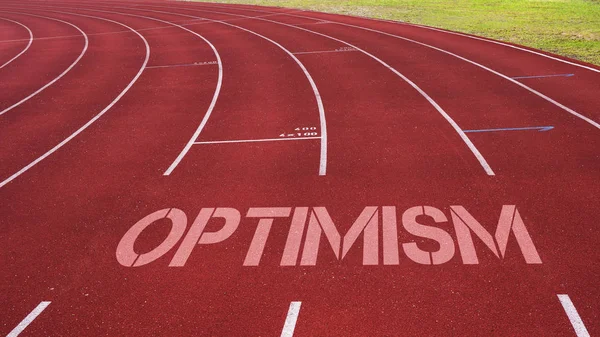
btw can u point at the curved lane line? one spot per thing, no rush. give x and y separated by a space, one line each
422 27
85 47
211 107
323 123
539 94
26 47
449 119
95 118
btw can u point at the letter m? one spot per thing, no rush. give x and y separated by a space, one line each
510 221
320 222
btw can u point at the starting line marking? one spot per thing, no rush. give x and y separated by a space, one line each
574 317
27 320
539 128
185 65
254 140
543 76
290 321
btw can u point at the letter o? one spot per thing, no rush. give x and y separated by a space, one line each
129 258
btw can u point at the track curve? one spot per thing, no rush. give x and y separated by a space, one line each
404 235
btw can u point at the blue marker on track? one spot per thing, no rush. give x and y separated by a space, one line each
539 128
543 76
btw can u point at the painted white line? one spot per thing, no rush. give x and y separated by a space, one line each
185 65
573 315
24 49
254 140
290 320
323 123
85 47
488 170
539 94
323 51
27 320
424 27
95 118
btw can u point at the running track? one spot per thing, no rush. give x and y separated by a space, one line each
112 111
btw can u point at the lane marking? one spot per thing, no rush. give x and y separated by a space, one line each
539 94
573 315
254 140
26 47
422 27
569 110
184 65
341 50
543 76
290 320
454 125
322 121
539 128
95 118
83 51
27 320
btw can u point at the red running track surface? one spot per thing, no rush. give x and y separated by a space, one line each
179 169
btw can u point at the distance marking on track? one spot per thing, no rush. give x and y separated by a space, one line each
305 131
184 65
28 319
338 50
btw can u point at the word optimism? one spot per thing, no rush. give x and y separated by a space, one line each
316 221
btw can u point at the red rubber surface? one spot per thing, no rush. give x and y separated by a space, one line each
387 145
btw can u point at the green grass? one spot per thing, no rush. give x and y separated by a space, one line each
565 27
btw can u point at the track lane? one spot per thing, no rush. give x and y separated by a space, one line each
8 49
482 112
147 144
18 75
432 102
337 297
504 59
26 149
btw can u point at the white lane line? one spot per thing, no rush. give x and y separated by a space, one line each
324 51
85 47
24 49
499 43
426 27
95 118
184 65
488 170
573 315
290 320
322 121
539 94
254 140
27 320
211 107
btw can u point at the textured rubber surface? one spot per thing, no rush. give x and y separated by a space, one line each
403 108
